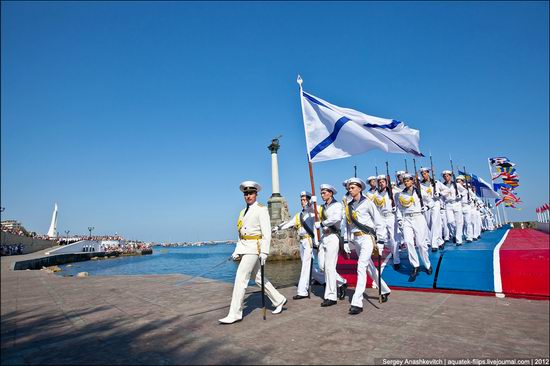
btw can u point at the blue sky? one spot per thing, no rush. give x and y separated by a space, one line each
142 118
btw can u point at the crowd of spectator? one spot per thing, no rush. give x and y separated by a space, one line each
23 232
11 249
126 248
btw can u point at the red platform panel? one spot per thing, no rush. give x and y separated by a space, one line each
524 263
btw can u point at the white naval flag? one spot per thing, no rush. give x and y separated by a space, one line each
334 132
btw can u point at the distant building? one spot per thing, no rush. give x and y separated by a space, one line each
13 225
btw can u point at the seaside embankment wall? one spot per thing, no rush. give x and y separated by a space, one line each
29 245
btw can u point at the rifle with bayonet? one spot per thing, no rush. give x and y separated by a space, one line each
417 181
388 186
466 183
453 176
433 173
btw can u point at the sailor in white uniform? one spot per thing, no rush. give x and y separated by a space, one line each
455 217
399 181
330 218
466 203
383 203
304 223
372 189
411 219
433 215
252 248
364 229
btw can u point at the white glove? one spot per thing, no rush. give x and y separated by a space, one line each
317 225
459 196
346 248
313 199
400 223
424 209
235 256
436 195
263 258
275 229
380 247
393 209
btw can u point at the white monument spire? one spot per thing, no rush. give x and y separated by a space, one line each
52 233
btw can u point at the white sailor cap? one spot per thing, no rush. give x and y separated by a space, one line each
371 178
461 177
446 172
250 186
400 172
406 176
381 176
345 183
358 181
424 169
329 187
305 193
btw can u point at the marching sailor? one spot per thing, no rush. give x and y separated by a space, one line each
455 218
399 181
364 225
303 222
466 204
413 224
433 215
254 229
371 192
330 218
383 203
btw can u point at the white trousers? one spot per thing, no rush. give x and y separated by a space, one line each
250 265
391 232
414 227
455 219
363 246
433 218
328 257
319 275
305 255
444 226
468 224
476 216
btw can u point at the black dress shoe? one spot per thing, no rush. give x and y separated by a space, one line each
414 271
384 297
342 291
299 297
354 310
454 240
458 244
442 247
429 271
434 250
396 266
468 241
327 302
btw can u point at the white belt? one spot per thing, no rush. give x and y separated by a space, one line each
412 214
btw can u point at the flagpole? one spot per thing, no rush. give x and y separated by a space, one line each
493 187
317 232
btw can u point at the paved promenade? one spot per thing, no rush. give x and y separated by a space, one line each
48 319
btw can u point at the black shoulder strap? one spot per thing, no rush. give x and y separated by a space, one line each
363 228
307 228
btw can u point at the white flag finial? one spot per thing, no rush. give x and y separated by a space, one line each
299 80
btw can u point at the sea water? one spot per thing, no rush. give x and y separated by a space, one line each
191 261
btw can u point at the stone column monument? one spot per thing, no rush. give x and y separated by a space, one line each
284 245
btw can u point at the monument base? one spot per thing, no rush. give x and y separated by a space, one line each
284 244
